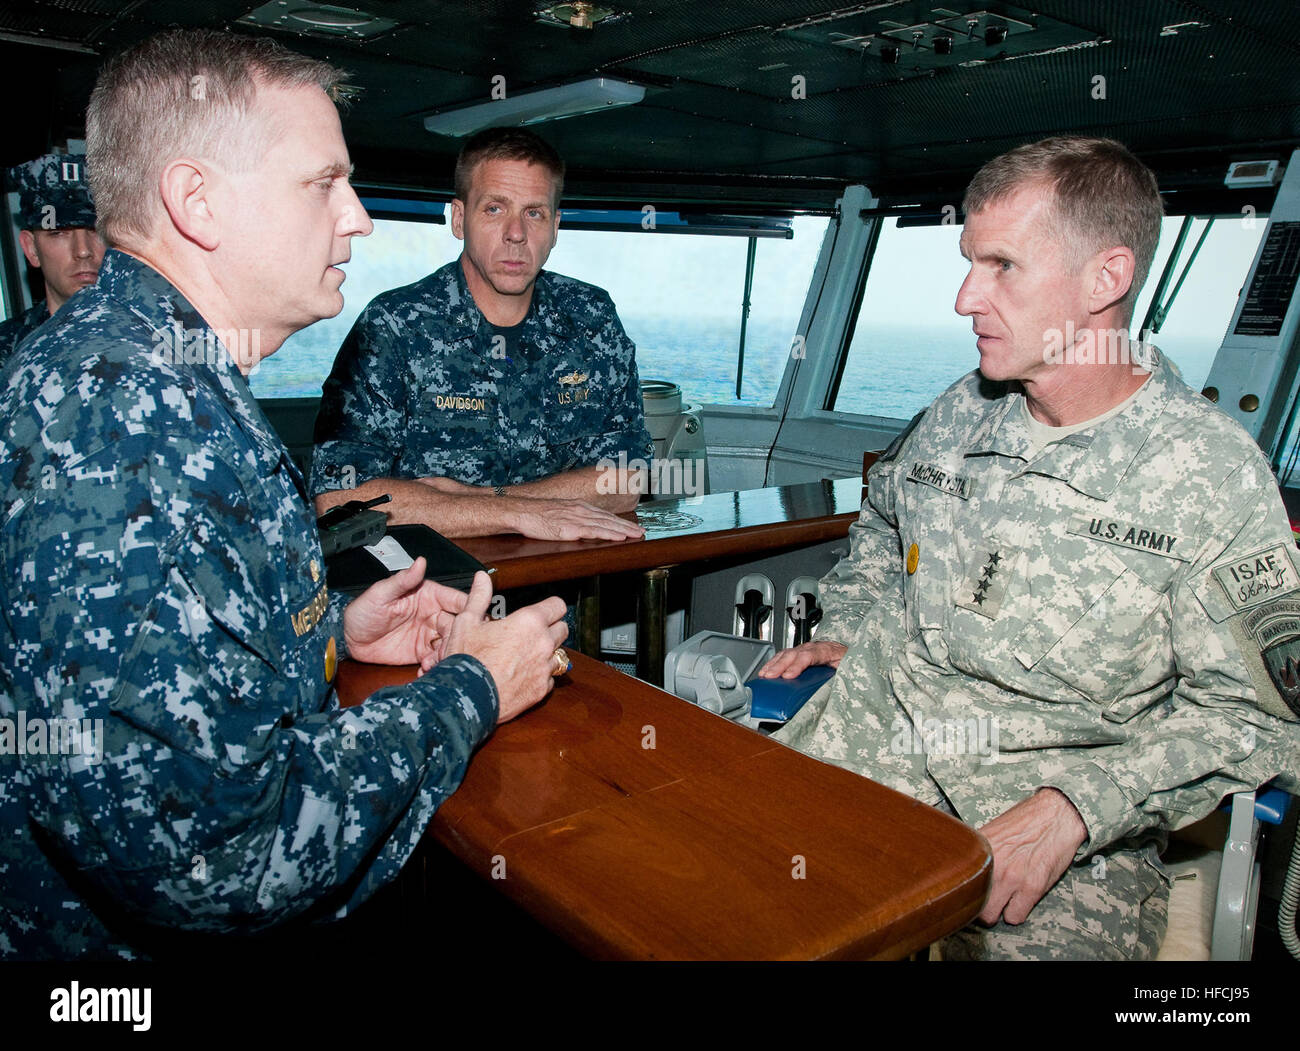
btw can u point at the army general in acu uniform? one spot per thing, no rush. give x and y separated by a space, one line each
162 575
485 396
57 235
1070 614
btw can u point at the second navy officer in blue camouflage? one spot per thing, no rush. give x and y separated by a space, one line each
490 396
162 575
57 235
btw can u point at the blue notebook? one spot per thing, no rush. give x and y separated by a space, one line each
777 700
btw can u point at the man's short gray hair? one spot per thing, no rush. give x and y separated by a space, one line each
182 93
1103 197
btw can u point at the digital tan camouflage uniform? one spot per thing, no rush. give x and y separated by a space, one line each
1117 616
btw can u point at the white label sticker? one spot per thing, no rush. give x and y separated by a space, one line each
391 554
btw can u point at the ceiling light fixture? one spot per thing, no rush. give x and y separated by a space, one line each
533 107
324 20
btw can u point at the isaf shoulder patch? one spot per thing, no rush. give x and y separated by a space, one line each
1257 578
1263 590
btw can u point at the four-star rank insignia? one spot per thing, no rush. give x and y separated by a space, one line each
981 590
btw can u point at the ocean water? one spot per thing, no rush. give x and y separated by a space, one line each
680 303
893 371
697 353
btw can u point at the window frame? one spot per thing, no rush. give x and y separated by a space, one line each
1196 204
400 205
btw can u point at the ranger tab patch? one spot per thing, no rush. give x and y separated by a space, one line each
1269 637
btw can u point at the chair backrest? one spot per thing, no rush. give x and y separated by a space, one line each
868 458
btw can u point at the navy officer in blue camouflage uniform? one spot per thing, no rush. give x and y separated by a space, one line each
57 237
491 396
162 577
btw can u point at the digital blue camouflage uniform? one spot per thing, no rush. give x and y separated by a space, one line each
16 329
1089 618
162 573
52 195
420 388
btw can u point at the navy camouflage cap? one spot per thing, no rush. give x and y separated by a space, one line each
53 193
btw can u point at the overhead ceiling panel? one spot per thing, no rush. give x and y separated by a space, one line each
1183 82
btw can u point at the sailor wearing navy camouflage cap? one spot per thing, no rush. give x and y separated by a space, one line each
58 236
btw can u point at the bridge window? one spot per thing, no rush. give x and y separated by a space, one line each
397 253
679 295
1198 316
680 298
908 344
